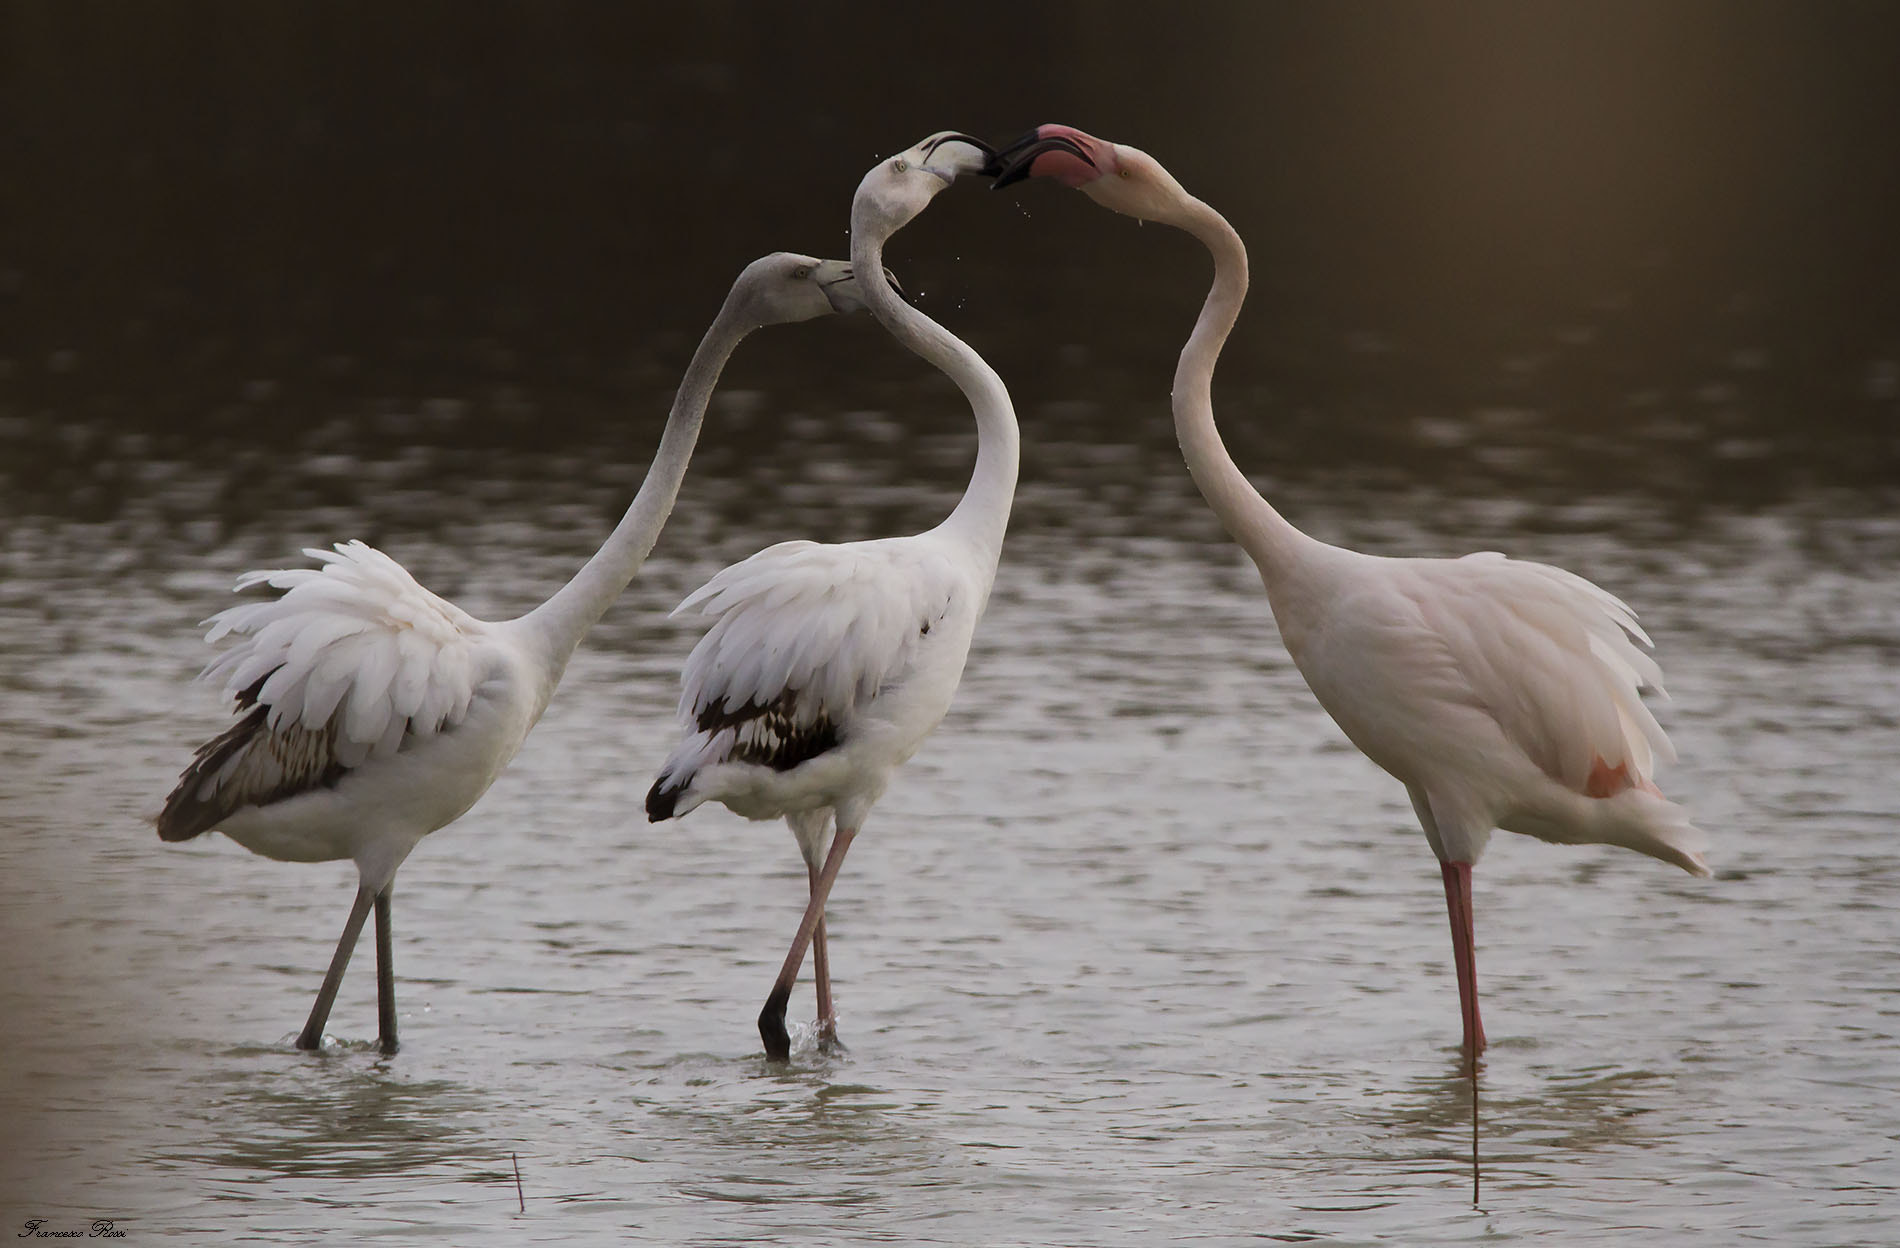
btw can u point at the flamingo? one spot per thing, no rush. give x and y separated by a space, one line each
373 712
827 666
1501 693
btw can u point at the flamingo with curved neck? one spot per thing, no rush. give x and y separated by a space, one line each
1502 693
374 712
827 666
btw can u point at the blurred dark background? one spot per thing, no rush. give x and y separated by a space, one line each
225 223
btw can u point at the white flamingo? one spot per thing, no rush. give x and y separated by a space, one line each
374 712
1501 693
827 665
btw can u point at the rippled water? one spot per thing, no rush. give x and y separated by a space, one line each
1137 948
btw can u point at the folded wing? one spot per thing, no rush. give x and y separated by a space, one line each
1559 663
350 661
805 636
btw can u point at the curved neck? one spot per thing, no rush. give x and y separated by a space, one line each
983 513
561 621
1252 522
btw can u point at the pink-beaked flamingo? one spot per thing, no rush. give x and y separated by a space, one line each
1501 693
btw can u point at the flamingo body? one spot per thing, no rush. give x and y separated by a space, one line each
827 666
373 712
1502 693
825 669
378 712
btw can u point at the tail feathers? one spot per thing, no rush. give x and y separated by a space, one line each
671 797
1639 819
1652 824
193 806
662 798
672 793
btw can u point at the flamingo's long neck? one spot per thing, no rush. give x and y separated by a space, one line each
983 513
1269 540
559 623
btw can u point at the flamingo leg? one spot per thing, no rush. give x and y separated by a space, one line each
1458 903
312 1035
778 1042
385 976
821 969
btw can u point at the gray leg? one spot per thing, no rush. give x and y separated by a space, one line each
312 1035
385 976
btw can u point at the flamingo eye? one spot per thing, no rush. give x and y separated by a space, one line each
800 273
900 164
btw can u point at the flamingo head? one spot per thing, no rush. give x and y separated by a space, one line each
899 187
1114 175
785 287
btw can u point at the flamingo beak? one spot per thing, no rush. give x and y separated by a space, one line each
843 294
990 167
1017 161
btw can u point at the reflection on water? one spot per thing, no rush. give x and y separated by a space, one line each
1136 944
1138 949
1525 1125
356 1118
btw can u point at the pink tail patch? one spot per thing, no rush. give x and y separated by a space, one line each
1608 781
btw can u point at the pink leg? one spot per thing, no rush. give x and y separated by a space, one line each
1458 903
821 969
778 1042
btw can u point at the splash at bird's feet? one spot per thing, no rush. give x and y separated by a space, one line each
826 1035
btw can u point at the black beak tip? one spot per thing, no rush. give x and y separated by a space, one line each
1021 141
1009 175
994 161
1019 158
1006 158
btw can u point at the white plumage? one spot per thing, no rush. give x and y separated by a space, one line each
856 647
357 638
1508 692
834 622
1502 693
827 666
377 713
374 712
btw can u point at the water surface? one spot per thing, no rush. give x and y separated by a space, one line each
1138 946
1138 949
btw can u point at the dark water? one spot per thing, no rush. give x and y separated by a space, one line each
1137 949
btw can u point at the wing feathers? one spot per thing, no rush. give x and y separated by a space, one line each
248 764
1555 659
348 659
804 636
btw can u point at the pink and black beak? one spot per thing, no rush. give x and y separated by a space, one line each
1056 151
